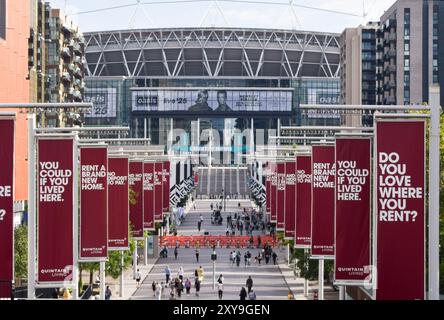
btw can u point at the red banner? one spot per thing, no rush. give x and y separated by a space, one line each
400 221
55 210
280 196
290 199
118 203
158 192
273 187
352 217
166 186
6 206
148 196
267 187
323 202
303 202
135 180
93 203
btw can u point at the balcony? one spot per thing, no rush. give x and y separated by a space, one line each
66 53
66 77
77 48
78 73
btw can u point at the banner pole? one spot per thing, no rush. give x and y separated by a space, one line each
321 279
102 280
31 208
145 252
75 277
288 254
305 279
121 275
341 292
135 260
434 179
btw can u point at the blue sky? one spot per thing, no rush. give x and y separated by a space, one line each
234 14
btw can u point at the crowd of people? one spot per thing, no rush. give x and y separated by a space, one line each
266 253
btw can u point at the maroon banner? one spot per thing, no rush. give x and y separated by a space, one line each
280 196
323 202
290 199
166 186
273 187
93 203
7 127
118 203
267 187
135 181
303 202
148 196
352 216
400 220
55 210
158 192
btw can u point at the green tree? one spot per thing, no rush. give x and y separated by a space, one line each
21 251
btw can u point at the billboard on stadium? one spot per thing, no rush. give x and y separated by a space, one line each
207 100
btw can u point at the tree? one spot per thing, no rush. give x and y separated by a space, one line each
21 251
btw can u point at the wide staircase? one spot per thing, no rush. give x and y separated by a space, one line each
215 181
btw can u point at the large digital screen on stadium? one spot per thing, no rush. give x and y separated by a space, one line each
211 100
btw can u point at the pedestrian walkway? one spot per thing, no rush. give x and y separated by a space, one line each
130 284
268 281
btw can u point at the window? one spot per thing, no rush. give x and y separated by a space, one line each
407 47
3 19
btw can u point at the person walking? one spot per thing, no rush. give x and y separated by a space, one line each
180 273
220 290
252 295
238 258
167 274
138 277
201 274
274 255
108 293
246 258
220 279
197 286
188 286
243 294
249 284
158 292
197 254
176 252
153 287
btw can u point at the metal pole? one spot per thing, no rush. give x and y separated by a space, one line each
102 280
75 276
214 275
341 292
135 260
31 207
145 252
121 275
321 280
434 177
306 280
288 253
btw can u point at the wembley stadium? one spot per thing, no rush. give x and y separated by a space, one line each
223 79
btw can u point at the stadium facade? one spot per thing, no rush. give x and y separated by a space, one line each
195 79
